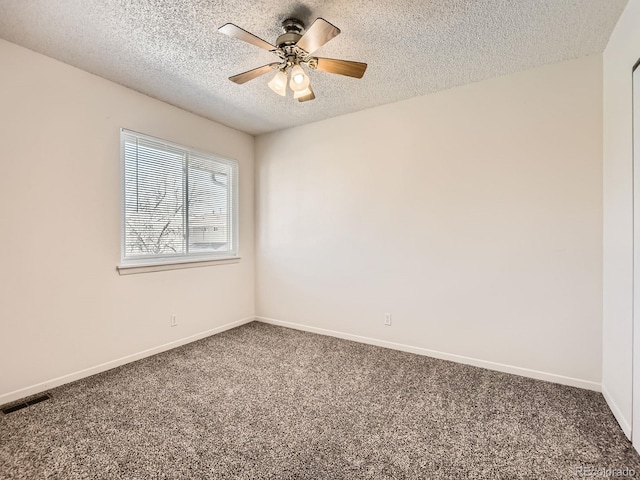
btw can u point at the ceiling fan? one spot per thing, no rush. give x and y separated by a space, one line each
294 47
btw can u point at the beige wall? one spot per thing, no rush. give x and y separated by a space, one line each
473 215
64 306
622 52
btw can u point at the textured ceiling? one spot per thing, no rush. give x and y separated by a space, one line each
171 50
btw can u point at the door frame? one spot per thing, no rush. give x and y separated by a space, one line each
635 166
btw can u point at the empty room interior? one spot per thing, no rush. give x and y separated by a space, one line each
319 239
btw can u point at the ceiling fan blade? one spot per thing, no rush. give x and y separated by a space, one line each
319 33
306 98
342 67
235 31
251 74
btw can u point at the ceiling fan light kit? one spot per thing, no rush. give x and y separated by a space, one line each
294 47
302 93
299 80
279 83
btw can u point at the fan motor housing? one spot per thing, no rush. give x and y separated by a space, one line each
292 32
288 39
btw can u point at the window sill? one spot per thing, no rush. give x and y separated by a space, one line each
159 267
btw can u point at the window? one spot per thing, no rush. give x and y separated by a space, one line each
178 204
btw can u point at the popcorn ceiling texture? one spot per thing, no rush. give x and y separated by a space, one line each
171 50
262 402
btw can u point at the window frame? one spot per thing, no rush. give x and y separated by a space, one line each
145 263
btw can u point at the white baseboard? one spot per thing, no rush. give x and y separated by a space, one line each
617 413
524 372
56 382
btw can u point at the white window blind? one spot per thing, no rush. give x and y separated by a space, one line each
177 203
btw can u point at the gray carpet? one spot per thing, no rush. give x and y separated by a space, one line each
267 402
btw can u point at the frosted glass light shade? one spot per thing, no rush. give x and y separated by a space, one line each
299 79
279 83
302 93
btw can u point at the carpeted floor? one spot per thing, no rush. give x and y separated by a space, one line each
268 402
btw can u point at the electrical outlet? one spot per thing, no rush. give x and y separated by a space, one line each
174 320
387 319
